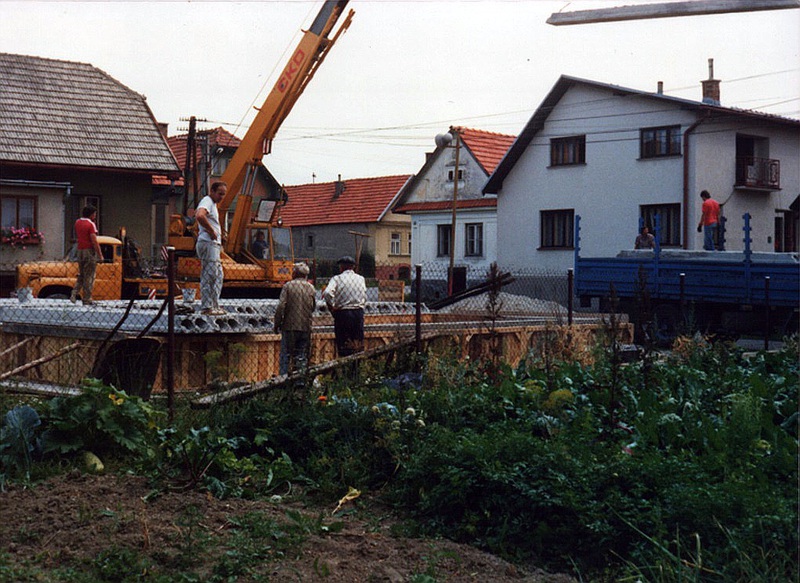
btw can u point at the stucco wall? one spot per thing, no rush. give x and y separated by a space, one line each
50 222
715 159
424 237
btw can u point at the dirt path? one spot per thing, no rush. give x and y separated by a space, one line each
72 519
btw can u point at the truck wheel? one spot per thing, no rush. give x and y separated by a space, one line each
54 295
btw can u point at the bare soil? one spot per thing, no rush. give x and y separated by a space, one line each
71 519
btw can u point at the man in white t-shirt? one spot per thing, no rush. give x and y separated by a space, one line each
209 248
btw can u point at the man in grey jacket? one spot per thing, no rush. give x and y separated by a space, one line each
293 320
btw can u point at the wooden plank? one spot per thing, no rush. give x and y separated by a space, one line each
667 10
14 347
41 389
39 361
248 391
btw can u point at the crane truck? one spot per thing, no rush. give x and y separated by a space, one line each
244 274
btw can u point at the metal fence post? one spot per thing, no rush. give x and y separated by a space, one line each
767 323
171 332
418 315
570 294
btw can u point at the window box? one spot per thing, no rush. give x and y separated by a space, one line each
21 238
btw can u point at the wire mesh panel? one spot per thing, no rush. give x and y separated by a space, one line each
133 332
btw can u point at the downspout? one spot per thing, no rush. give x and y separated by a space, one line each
65 198
688 131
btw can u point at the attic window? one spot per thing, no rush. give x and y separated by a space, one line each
568 151
451 173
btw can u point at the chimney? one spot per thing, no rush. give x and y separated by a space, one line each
660 90
163 127
711 86
339 188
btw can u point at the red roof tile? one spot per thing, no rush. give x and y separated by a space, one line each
487 147
441 205
364 200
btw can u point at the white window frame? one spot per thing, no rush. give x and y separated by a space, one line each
473 240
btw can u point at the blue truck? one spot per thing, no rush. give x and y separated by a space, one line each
737 292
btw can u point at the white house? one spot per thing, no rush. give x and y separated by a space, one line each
616 156
429 198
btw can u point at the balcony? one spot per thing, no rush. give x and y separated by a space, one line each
758 173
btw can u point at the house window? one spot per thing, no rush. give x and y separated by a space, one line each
442 240
568 151
557 229
452 172
409 242
394 244
220 165
310 241
657 142
18 212
474 240
669 218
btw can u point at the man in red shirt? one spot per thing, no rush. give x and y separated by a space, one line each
88 255
709 221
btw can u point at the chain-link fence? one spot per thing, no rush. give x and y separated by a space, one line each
139 334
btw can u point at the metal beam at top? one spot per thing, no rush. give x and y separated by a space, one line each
667 10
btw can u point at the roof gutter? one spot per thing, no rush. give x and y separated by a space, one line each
688 131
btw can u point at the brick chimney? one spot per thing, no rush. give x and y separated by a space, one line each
711 86
340 187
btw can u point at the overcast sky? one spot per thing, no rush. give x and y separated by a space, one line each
404 71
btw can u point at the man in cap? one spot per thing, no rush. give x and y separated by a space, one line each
293 319
346 296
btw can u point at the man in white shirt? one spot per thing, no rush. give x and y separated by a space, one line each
346 296
209 248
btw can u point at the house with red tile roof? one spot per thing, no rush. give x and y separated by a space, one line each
73 135
212 152
457 169
351 217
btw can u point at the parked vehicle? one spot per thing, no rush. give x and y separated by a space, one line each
120 275
732 291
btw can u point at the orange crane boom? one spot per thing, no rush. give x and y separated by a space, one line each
257 142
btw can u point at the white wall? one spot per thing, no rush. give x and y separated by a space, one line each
608 190
424 234
715 160
433 186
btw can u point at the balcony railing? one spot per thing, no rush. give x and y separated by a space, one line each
762 173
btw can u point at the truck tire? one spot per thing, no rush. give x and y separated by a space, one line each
55 293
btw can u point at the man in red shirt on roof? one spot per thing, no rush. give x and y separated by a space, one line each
709 221
88 255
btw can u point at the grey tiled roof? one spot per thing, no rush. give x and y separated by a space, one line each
66 113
